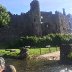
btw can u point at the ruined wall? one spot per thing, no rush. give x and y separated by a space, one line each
54 23
63 23
48 25
69 16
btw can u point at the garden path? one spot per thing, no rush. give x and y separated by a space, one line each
50 56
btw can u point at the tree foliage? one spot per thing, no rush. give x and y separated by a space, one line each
4 16
50 39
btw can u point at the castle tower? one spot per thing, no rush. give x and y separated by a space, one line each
36 17
64 12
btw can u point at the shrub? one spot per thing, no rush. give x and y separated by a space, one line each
50 39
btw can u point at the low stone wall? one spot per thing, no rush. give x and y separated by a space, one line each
64 51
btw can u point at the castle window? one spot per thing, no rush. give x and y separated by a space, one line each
47 26
63 28
34 20
41 17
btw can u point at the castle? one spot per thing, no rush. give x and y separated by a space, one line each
36 23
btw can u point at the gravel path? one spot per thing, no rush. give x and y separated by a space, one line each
50 56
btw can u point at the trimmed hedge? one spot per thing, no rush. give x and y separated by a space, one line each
50 39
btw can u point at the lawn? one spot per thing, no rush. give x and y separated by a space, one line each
31 51
4 52
39 51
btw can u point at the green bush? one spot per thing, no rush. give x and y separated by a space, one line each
50 39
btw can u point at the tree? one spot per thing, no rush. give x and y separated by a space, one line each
4 16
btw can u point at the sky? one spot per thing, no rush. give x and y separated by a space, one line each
23 6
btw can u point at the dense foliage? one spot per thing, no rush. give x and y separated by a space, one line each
50 39
4 16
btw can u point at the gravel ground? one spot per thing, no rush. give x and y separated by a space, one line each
50 56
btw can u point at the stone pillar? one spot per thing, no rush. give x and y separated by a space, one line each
64 51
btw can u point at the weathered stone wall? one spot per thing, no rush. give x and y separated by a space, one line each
64 51
63 23
54 23
49 24
69 16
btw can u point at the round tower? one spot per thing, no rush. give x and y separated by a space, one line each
35 17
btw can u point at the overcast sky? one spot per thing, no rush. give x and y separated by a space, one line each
18 6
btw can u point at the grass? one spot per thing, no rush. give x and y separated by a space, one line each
39 51
31 51
3 52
